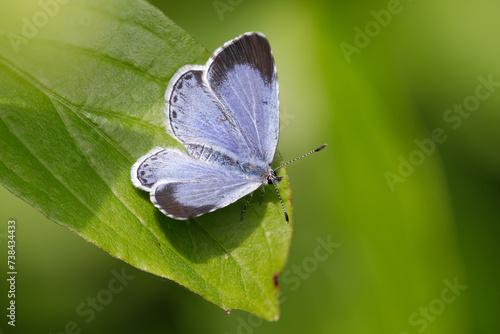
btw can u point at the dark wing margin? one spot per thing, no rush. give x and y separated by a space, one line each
249 48
186 199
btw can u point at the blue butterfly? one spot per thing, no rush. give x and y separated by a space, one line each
226 115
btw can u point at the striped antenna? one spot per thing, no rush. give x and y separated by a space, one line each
303 156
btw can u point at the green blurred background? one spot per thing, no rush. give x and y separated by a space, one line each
400 247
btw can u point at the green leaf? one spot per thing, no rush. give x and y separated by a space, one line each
81 98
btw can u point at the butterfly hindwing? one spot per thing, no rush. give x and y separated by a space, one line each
185 199
182 186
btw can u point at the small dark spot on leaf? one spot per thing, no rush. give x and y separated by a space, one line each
276 280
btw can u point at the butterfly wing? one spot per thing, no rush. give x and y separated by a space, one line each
229 105
183 187
242 76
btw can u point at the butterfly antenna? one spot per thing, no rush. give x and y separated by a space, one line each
289 162
303 156
281 201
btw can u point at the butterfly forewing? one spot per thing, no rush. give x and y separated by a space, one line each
242 76
197 120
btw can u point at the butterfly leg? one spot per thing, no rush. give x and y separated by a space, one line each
244 208
263 193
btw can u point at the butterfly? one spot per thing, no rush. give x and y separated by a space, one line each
226 115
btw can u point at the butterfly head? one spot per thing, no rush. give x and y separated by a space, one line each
272 178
